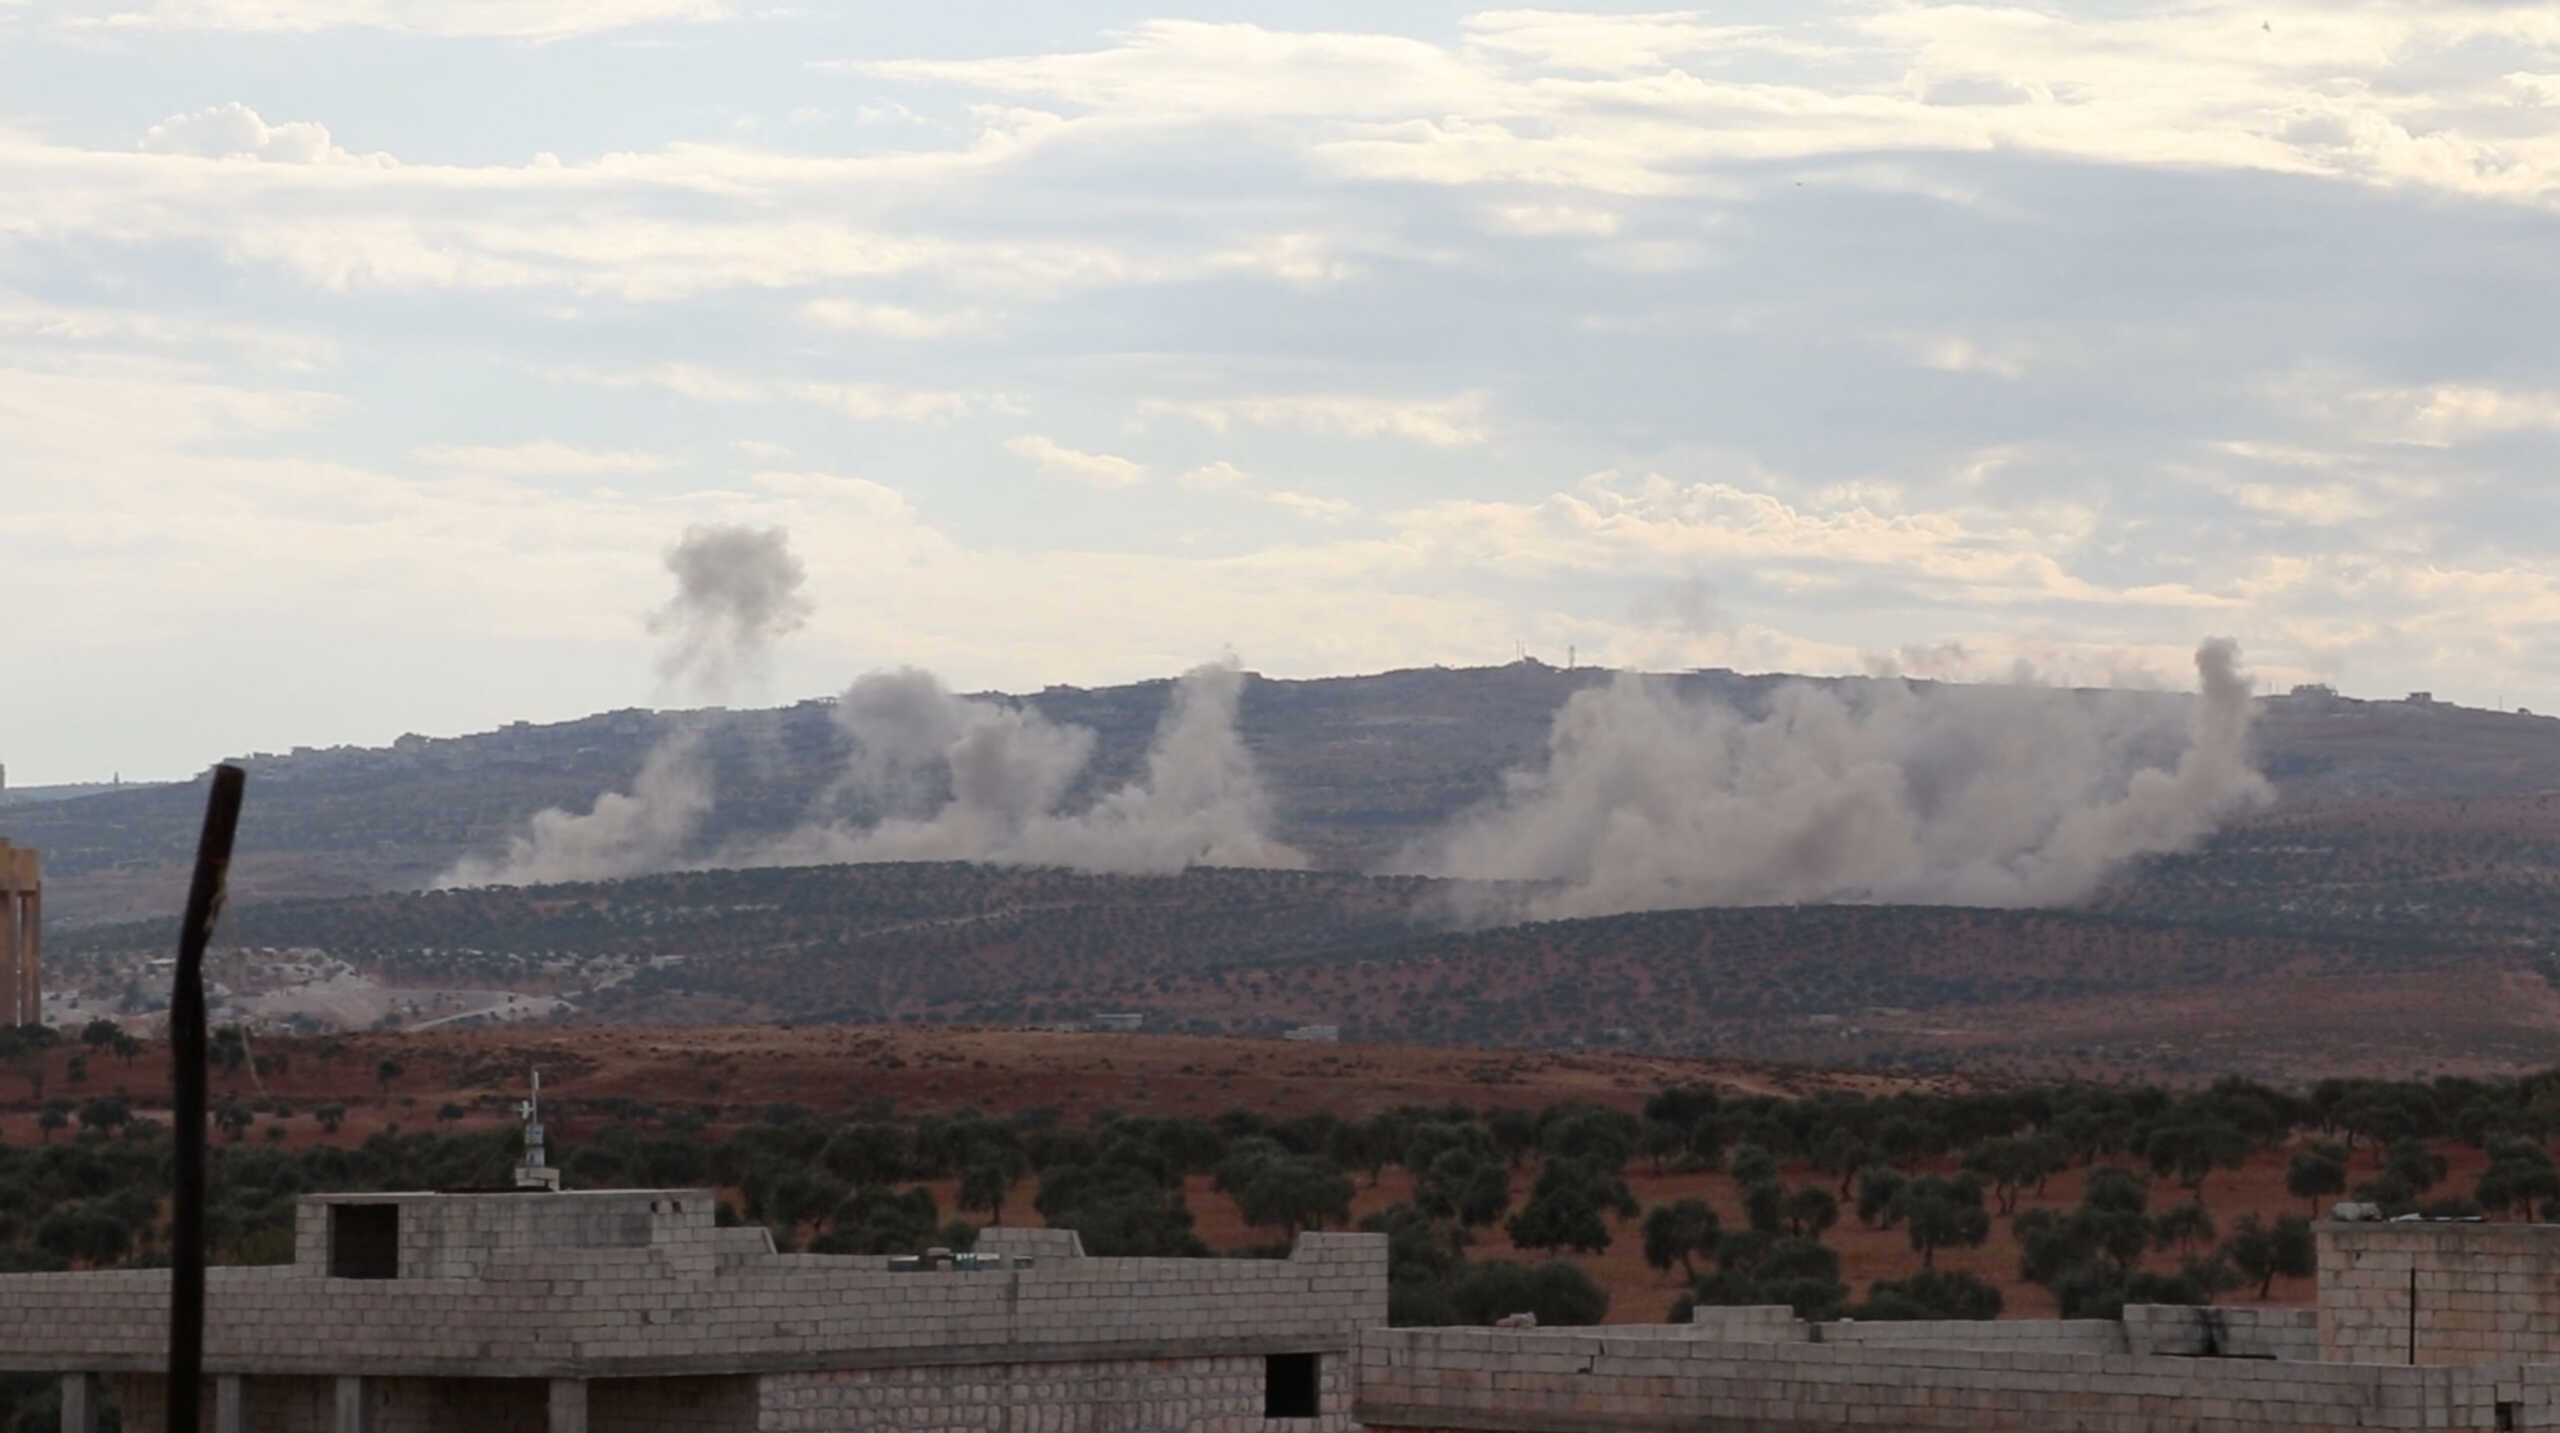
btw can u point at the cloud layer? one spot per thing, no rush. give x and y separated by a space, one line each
1084 342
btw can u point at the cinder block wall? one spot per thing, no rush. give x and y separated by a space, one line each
2439 1293
1197 1395
1583 1382
627 1311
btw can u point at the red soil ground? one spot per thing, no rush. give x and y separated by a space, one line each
733 1074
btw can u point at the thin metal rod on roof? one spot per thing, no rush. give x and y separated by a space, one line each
187 1054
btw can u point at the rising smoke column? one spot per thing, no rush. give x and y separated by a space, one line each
737 589
1972 796
961 779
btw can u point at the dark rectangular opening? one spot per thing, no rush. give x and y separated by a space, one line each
364 1241
1289 1385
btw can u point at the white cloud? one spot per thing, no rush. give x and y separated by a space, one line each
888 320
499 19
545 459
1220 476
1439 422
1308 506
1096 470
235 131
2440 415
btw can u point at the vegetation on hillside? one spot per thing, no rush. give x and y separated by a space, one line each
1943 1169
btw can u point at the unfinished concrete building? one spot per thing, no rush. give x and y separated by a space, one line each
630 1310
21 935
2418 1326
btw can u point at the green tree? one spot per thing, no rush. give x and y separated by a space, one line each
2012 1163
1929 1294
1840 1152
386 1070
2261 1251
1939 1213
2192 1149
1878 1185
1680 1233
1567 1208
2182 1226
2414 1163
1811 1211
2314 1174
1463 1185
1557 1293
106 1114
1295 1192
2520 1176
1764 1206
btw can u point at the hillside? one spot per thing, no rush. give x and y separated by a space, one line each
1359 768
2161 985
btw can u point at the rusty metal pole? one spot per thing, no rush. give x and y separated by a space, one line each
187 1098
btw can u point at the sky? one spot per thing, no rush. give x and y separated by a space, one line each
362 360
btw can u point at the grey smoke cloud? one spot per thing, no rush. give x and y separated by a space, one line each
1993 796
938 776
737 589
622 834
1004 772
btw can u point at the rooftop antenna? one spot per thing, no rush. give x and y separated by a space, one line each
536 1171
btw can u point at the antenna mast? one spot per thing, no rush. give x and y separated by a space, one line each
536 1171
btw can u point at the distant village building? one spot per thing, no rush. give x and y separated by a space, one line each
1317 1034
21 935
1123 1021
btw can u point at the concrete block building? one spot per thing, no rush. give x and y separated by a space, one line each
559 1313
630 1312
2419 1326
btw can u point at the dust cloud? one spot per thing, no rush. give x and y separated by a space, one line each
737 590
964 779
938 777
1988 796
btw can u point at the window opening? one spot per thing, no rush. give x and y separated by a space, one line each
1289 1385
364 1241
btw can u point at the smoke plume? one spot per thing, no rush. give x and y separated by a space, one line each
646 830
1971 796
933 776
960 779
737 589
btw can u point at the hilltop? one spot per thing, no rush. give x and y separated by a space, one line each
1359 769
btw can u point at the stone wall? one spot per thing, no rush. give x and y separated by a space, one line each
1551 1381
626 1312
2158 1329
672 1405
2439 1293
1204 1395
2222 1331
